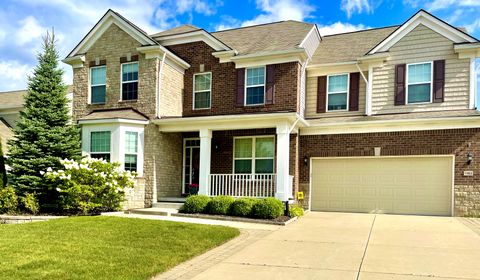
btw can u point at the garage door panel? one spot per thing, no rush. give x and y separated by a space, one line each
403 185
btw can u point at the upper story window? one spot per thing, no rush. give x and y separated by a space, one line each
419 82
131 150
337 92
100 144
253 155
255 86
202 88
130 81
98 84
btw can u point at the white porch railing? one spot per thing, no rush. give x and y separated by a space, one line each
252 185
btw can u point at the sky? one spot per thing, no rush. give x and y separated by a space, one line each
24 22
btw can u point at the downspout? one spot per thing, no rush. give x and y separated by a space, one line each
159 84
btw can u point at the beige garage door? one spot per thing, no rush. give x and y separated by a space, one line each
400 185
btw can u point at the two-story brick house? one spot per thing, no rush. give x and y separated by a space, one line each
380 120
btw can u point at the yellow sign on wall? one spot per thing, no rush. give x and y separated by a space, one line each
300 196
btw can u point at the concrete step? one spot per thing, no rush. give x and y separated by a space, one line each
172 199
168 205
153 211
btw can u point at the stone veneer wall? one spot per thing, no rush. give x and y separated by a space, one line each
458 142
136 197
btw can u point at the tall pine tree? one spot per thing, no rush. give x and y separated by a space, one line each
3 172
44 132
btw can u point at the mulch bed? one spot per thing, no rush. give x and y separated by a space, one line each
281 221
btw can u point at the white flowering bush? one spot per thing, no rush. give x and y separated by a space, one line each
90 186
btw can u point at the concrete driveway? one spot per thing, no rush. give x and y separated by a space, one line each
358 246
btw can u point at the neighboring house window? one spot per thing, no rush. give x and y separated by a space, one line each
255 86
337 92
131 149
100 144
254 155
98 82
419 82
130 81
202 89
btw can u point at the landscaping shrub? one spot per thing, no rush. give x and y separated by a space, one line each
296 211
91 186
30 203
268 208
8 201
195 204
242 207
220 205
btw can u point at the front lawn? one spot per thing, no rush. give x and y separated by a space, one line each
102 247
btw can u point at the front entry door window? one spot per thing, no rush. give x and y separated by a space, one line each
191 163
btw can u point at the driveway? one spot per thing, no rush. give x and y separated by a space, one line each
335 246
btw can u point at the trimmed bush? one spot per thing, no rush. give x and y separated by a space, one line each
30 203
220 205
8 201
242 207
195 204
296 211
268 208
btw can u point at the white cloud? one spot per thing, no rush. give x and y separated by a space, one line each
356 6
14 74
280 10
339 27
201 7
30 30
447 4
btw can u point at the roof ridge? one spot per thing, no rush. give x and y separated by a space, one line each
261 24
363 30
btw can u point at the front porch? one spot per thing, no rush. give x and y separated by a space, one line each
243 161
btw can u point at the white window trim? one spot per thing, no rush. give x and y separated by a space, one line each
138 143
122 82
90 84
253 158
90 144
195 91
348 92
407 83
259 85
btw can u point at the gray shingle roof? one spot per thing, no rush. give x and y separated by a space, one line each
129 114
177 30
12 99
349 46
277 36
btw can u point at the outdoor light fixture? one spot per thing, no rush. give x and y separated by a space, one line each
305 160
469 158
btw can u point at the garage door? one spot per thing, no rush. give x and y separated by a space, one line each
400 185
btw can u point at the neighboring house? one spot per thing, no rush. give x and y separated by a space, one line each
11 103
380 120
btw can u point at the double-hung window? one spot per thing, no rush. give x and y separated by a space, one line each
202 89
98 82
130 81
419 82
255 86
254 155
131 150
337 92
100 144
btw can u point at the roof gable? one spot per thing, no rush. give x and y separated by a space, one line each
177 30
109 18
194 35
422 17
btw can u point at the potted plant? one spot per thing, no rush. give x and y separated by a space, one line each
193 189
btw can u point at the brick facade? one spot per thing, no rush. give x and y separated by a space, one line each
223 93
458 142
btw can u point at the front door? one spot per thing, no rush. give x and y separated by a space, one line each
191 163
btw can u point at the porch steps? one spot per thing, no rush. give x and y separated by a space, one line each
168 205
153 211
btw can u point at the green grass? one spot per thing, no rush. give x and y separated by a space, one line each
102 247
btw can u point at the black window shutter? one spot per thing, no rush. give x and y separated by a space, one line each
240 95
438 80
400 72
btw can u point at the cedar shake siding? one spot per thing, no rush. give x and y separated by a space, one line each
458 142
224 84
422 45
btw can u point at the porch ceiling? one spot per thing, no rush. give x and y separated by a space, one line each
230 122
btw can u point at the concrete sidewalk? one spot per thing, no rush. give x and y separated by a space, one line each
349 246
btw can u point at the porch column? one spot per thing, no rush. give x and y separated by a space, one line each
205 155
283 162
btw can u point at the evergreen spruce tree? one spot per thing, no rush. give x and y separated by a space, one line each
44 133
3 172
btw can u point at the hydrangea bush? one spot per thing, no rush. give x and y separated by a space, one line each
91 186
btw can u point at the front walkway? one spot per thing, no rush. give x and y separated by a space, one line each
336 246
